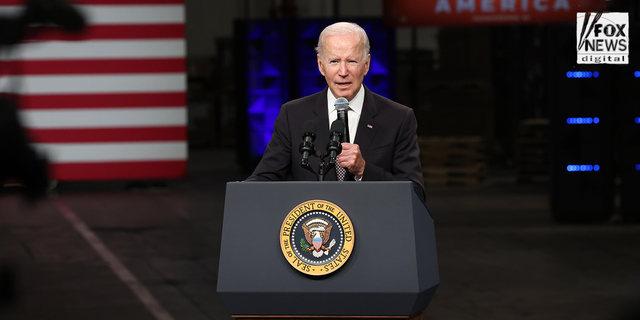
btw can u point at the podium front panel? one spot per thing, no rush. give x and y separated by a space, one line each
388 273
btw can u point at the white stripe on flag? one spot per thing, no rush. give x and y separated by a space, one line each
118 14
97 83
100 49
10 11
104 118
110 152
133 14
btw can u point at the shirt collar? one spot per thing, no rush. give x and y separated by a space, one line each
355 104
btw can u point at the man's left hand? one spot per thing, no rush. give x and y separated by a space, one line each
351 159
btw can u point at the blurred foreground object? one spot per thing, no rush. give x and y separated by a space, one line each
54 11
7 285
18 160
62 14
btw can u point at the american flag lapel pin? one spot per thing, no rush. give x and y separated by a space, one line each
369 126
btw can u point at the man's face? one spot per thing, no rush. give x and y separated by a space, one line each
342 65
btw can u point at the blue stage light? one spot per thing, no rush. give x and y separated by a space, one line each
585 167
583 120
637 120
582 74
638 167
637 74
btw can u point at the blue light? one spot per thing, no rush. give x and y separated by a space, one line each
637 74
582 74
638 167
570 74
585 167
584 120
637 120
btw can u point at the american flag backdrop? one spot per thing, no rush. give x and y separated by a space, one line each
108 103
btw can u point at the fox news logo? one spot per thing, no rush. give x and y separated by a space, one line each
602 38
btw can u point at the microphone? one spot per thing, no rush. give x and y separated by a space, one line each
342 106
334 147
307 147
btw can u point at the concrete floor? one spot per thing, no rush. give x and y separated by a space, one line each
500 254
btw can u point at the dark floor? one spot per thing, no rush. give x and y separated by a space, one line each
500 254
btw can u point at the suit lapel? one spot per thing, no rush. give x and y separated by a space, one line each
321 117
368 126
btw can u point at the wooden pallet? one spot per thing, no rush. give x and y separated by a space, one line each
531 150
455 175
453 160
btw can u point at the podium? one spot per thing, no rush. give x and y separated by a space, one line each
392 271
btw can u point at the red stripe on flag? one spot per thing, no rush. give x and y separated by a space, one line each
108 66
99 2
108 134
89 101
102 32
118 170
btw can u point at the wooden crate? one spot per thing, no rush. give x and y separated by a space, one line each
453 160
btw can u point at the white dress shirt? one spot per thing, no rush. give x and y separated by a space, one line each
353 115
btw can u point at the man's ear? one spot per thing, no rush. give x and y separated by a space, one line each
368 64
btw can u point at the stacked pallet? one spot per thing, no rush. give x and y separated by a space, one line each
531 150
453 160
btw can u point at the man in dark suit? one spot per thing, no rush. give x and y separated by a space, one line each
383 139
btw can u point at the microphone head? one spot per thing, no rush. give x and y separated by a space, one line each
309 128
341 104
337 127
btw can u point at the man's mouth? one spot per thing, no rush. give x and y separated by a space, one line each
343 84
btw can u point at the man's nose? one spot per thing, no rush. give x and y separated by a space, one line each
343 70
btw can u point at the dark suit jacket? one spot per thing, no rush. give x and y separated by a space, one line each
386 134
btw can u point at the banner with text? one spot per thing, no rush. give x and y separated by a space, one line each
414 13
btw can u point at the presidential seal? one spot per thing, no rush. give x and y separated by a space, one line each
317 237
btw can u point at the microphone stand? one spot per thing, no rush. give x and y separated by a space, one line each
323 167
333 147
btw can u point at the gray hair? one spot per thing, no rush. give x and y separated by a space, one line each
341 28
